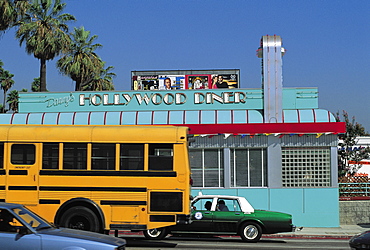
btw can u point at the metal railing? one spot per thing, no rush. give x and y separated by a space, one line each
354 189
356 186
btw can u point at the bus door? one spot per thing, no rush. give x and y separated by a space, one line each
2 173
22 173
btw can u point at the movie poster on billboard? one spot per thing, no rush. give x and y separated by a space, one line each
171 82
185 79
198 81
145 82
221 81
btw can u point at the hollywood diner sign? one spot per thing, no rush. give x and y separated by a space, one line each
158 98
140 100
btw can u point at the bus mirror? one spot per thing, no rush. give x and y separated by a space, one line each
191 139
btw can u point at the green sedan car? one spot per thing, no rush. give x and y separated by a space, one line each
223 214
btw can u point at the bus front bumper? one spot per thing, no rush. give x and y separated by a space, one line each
183 219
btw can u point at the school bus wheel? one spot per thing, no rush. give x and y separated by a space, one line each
81 218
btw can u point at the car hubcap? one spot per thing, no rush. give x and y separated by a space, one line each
250 232
154 232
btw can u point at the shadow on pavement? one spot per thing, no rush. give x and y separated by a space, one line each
140 242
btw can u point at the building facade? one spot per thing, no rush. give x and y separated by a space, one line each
272 145
289 166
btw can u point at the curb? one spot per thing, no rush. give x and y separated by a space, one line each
270 236
307 236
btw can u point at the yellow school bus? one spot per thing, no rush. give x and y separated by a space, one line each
98 178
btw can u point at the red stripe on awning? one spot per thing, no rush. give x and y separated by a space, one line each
270 128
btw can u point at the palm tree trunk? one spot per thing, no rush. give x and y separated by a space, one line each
3 111
78 84
43 75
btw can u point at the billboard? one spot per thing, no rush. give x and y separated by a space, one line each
184 79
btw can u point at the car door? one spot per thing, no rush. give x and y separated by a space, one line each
16 241
227 219
201 217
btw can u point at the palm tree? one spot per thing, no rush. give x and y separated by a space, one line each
81 63
45 32
7 14
7 82
35 85
11 11
104 81
13 100
2 108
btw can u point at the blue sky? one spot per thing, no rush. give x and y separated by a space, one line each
327 43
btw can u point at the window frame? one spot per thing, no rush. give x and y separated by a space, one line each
81 159
109 159
300 171
220 167
250 175
25 153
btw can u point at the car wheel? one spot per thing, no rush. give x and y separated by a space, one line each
81 218
156 233
250 232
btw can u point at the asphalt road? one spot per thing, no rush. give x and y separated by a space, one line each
235 243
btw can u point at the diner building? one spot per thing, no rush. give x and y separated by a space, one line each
272 145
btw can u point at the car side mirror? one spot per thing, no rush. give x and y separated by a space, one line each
23 230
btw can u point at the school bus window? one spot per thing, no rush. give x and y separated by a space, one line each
1 155
50 155
23 154
75 156
160 156
103 156
132 156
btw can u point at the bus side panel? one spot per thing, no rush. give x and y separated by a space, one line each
47 211
2 184
183 173
125 215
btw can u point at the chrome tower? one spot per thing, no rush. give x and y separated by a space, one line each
271 52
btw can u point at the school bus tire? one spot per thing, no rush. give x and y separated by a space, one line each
81 218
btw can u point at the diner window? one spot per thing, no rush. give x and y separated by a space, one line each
75 156
160 156
306 167
50 156
248 167
103 156
132 156
23 154
207 167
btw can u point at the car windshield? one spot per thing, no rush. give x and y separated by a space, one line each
31 219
